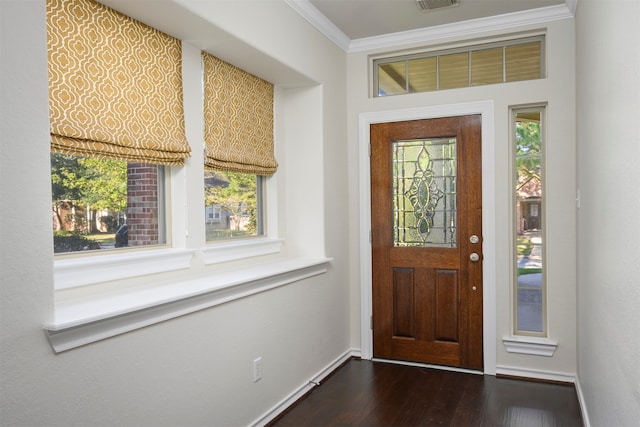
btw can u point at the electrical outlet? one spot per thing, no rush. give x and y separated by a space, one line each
257 369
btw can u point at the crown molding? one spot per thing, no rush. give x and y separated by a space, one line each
309 12
458 29
463 28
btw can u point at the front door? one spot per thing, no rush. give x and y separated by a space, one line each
426 236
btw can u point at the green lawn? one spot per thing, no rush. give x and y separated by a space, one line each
103 238
522 271
524 246
222 234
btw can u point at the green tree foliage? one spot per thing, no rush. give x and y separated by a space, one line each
104 184
65 173
528 152
78 182
236 194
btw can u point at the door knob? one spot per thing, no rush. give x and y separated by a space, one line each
474 239
474 257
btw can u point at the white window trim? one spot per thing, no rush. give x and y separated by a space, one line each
90 270
526 342
240 249
530 345
501 43
80 321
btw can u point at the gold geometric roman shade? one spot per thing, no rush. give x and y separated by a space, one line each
238 116
115 86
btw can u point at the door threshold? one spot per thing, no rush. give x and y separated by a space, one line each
426 365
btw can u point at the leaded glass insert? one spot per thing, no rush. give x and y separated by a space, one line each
424 193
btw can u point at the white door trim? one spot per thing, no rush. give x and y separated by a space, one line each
485 108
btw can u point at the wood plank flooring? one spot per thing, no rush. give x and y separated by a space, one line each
365 393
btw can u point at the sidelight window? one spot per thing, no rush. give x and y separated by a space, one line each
529 214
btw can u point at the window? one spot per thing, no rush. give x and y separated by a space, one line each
239 149
112 292
116 114
105 204
510 61
233 204
528 195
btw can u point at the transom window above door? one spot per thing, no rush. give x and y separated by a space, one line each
477 65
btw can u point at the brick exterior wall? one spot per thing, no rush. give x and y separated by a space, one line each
142 197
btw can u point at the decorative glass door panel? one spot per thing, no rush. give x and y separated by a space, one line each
424 193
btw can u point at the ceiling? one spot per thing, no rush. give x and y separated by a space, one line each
359 19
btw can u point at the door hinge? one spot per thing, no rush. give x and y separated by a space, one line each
369 149
369 236
371 322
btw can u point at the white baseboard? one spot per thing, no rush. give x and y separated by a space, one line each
535 374
303 389
583 404
356 352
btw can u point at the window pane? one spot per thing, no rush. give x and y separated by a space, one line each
486 66
105 204
491 63
232 205
424 193
529 198
522 62
453 70
423 75
392 78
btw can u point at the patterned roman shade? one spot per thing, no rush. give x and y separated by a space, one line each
115 86
238 115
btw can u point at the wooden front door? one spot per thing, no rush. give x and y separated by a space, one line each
426 204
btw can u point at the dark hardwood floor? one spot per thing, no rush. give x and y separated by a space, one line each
364 393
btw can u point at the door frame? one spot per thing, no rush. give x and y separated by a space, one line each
486 110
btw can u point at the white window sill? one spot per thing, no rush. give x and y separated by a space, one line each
240 249
530 345
80 322
89 270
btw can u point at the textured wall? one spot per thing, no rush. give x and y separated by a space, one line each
196 369
608 110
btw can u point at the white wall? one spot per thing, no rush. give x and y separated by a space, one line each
557 90
608 111
196 369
